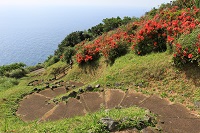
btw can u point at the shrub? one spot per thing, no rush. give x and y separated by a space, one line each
67 56
150 38
6 83
87 52
51 60
187 48
7 68
33 68
17 73
115 45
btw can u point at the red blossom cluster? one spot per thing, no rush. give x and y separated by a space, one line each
148 36
103 44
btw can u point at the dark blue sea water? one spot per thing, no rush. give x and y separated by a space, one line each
30 35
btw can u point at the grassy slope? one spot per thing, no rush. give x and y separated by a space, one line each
150 74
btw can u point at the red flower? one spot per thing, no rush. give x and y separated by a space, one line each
170 39
155 43
190 56
184 53
174 55
199 50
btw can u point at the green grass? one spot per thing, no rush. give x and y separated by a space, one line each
150 74
6 83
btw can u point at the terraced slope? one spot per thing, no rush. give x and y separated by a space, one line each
172 117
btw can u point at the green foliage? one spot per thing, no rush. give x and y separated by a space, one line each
15 70
187 49
51 60
151 13
6 83
17 73
76 37
33 68
71 40
186 3
8 68
121 50
111 23
96 30
67 56
151 41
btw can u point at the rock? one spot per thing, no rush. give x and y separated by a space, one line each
118 107
73 86
101 89
117 84
140 85
89 88
53 87
80 91
64 98
148 118
47 85
148 112
55 100
108 85
147 130
78 97
35 89
141 124
110 123
197 104
97 86
72 94
66 88
38 90
161 121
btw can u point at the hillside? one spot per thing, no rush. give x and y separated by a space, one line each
157 54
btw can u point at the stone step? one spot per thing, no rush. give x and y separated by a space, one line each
175 111
53 93
74 108
154 104
57 113
113 97
93 101
132 99
180 125
33 107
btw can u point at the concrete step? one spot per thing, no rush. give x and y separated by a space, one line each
53 93
57 113
74 108
132 99
113 97
33 107
93 101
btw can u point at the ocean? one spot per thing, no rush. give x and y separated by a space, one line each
30 35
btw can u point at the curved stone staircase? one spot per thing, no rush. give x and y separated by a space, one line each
173 118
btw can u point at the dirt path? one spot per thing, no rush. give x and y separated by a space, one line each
173 118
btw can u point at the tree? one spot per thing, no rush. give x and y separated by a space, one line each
111 23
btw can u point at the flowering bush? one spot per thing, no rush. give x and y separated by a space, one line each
188 48
150 38
86 52
110 45
146 36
